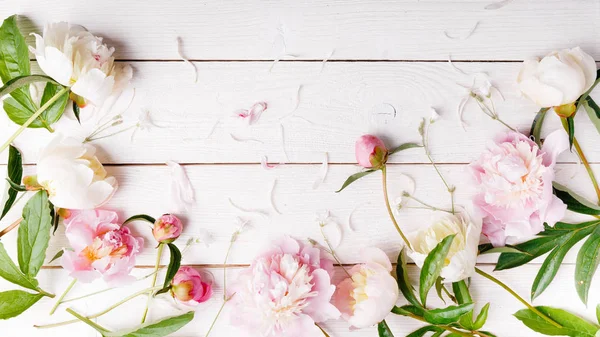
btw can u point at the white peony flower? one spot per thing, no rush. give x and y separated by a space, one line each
73 176
559 78
368 295
460 262
74 57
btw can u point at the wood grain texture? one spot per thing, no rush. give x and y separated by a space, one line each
397 30
195 123
501 322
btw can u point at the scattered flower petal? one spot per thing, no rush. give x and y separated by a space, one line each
265 164
245 140
213 128
281 130
253 114
322 172
327 59
249 210
350 223
332 233
460 109
497 5
272 197
434 115
144 123
185 60
182 192
464 37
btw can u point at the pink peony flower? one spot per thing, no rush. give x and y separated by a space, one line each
101 247
514 181
284 292
369 294
187 287
370 151
167 228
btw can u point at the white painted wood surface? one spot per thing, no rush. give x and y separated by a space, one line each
337 102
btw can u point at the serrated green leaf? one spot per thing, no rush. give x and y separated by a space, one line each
424 330
142 217
34 234
434 262
15 302
536 126
405 146
10 272
574 201
403 282
553 261
572 325
588 259
161 328
174 264
14 173
593 112
14 61
450 314
354 178
384 330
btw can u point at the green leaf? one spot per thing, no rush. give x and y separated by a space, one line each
174 265
593 111
424 330
14 61
408 310
34 234
461 291
142 217
384 330
570 127
598 313
438 289
572 325
536 126
488 248
481 318
587 264
553 261
76 111
21 81
15 302
403 282
53 113
102 330
434 262
57 256
354 178
55 217
574 201
14 173
450 314
16 187
10 272
405 146
161 328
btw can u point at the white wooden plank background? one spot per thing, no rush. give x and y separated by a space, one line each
234 43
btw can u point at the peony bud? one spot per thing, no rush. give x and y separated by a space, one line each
370 152
565 110
187 287
167 228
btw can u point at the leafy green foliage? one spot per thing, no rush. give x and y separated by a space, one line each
572 325
354 178
34 234
570 127
593 111
142 217
174 264
434 262
403 282
57 256
14 173
424 330
587 264
450 314
15 302
161 328
488 248
384 330
574 201
405 146
10 272
536 126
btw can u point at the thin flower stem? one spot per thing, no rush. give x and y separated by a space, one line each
519 298
492 114
88 321
212 325
233 237
105 311
427 206
63 296
161 246
448 328
332 252
322 330
450 189
91 139
34 117
45 293
10 227
389 208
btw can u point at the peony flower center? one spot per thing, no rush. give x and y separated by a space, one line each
183 290
437 232
359 285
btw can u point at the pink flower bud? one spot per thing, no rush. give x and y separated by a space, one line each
370 152
167 228
188 288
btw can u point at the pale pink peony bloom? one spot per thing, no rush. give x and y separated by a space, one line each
370 151
102 248
167 228
188 288
369 294
284 292
514 180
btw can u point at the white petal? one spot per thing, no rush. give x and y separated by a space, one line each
322 173
333 233
56 65
182 192
94 86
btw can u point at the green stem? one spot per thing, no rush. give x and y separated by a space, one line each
33 117
104 290
427 206
212 325
445 327
450 189
161 246
87 321
322 330
492 114
87 140
332 252
519 298
389 208
45 293
233 238
583 159
63 296
105 311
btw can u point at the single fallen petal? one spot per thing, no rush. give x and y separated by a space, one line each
272 196
249 210
322 172
182 192
434 115
497 5
462 37
282 132
265 164
460 109
245 140
333 234
180 53
327 59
